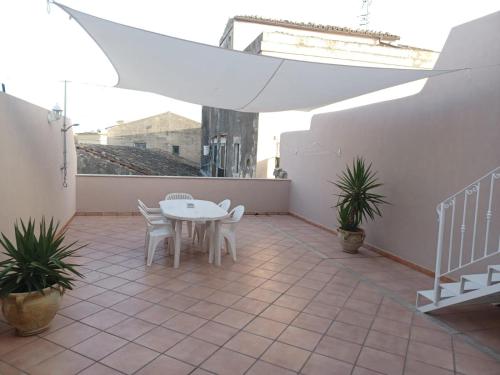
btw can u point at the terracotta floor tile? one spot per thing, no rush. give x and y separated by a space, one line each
179 302
413 367
301 292
286 356
348 332
32 354
312 322
300 337
263 295
251 280
154 295
321 365
264 368
86 291
184 323
164 365
197 291
215 333
130 358
108 298
291 302
265 327
227 362
9 341
160 339
131 306
132 288
234 318
249 344
250 305
276 286
99 346
431 337
205 309
104 319
361 306
66 362
387 343
322 310
237 288
383 362
6 369
467 364
110 282
72 334
99 369
192 351
80 310
57 323
364 371
339 349
391 327
222 298
157 314
431 355
355 318
280 314
131 328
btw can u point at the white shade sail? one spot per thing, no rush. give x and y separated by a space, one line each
224 78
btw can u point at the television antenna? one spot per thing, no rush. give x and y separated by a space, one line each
364 17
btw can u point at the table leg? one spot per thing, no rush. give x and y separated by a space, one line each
178 239
217 243
211 247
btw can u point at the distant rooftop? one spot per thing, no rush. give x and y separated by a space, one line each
318 27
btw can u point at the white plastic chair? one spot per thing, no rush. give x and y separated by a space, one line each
158 230
154 213
172 196
228 230
200 228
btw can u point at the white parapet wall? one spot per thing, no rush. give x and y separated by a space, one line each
111 194
31 156
425 147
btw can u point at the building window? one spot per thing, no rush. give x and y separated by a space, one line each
236 157
141 145
176 150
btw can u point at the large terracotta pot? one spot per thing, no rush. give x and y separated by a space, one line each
351 241
31 313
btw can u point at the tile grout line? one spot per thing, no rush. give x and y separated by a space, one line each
394 296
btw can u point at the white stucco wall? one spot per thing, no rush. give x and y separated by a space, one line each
119 194
425 147
31 156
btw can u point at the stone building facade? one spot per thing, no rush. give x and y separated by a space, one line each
237 144
168 132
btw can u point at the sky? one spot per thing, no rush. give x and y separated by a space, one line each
40 49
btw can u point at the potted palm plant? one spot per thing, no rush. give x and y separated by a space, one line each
34 276
356 202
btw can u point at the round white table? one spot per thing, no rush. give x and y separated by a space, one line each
179 210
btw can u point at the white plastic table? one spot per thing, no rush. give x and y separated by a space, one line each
178 211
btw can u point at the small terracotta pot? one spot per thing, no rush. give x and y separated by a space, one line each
31 313
351 241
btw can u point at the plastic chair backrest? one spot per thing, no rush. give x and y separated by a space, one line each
145 215
142 205
237 213
178 196
225 204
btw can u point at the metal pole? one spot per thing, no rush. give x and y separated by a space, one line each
65 166
437 274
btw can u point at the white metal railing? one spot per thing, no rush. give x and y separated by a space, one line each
473 207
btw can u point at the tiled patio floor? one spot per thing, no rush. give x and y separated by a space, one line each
293 303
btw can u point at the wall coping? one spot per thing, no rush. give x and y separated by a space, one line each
185 177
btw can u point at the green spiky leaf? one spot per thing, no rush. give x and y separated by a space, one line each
35 262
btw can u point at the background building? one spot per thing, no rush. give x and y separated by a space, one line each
237 144
168 131
92 138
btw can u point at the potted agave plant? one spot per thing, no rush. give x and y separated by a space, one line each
356 202
35 275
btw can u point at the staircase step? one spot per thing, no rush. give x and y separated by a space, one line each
429 294
455 287
481 278
494 267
